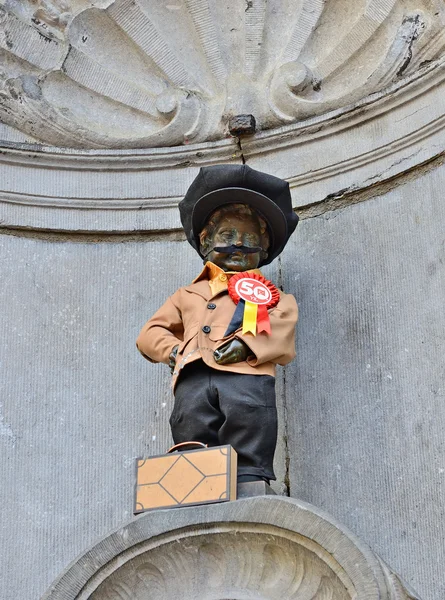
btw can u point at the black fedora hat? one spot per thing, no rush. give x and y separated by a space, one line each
239 184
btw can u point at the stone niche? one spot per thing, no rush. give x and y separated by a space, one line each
261 548
108 108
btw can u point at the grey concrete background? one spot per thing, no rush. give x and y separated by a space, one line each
366 396
363 404
78 403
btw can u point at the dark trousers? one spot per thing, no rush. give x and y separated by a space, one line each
220 407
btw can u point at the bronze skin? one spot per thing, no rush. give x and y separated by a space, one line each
232 225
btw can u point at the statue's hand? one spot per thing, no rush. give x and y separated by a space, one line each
232 352
172 359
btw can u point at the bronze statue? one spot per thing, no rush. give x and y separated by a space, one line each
223 335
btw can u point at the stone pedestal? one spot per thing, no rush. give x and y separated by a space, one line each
254 488
262 548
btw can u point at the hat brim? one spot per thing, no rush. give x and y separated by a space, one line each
271 213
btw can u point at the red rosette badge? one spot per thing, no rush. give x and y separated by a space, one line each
254 295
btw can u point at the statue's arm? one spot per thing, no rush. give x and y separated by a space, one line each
162 332
279 346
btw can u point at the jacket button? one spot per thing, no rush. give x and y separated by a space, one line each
206 329
223 277
211 306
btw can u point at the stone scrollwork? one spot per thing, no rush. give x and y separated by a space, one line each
292 86
232 564
138 74
80 81
344 72
52 14
254 549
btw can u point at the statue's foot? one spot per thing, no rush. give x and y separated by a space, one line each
248 478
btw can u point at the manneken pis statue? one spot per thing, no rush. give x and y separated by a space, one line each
223 334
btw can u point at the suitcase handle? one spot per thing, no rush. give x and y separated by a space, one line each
186 446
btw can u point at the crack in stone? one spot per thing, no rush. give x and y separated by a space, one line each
354 195
417 26
238 143
285 436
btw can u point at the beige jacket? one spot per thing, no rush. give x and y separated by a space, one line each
196 319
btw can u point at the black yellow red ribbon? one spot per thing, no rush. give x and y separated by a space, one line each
251 311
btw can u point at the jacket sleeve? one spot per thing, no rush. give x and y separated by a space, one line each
279 346
162 332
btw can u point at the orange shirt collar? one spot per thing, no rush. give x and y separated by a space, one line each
217 277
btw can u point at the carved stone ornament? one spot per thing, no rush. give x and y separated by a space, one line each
333 96
144 74
262 548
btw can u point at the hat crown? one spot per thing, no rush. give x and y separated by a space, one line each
242 176
232 184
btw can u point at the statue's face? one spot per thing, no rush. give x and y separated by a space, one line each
236 230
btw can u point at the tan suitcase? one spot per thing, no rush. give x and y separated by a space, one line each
185 478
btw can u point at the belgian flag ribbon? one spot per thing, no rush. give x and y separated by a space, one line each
253 296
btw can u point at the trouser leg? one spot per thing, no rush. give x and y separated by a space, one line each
196 415
250 420
220 407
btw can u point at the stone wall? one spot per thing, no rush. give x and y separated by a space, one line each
362 414
365 397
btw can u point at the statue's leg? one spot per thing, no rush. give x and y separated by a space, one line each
250 425
196 415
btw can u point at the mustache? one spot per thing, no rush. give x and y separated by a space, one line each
232 249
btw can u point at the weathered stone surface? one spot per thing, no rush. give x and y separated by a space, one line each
264 548
365 397
359 88
135 74
78 403
123 190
